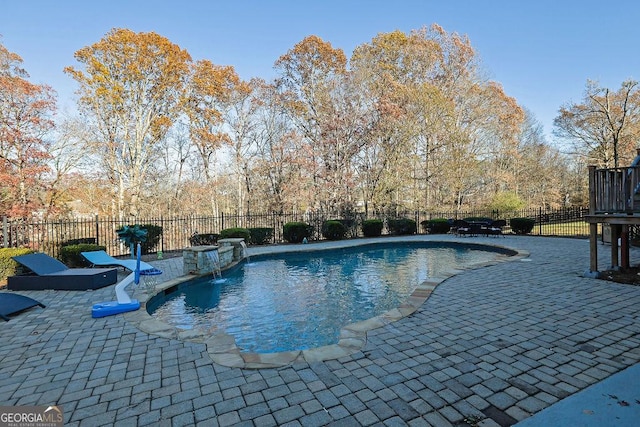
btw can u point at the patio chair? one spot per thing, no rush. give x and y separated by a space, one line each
103 259
495 228
463 228
14 303
49 273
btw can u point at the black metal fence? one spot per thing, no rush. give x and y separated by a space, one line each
49 236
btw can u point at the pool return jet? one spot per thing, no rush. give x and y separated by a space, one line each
124 302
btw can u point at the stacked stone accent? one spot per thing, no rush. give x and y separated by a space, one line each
237 244
196 259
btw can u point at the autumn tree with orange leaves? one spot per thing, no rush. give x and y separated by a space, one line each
327 112
131 90
207 98
408 122
26 111
409 115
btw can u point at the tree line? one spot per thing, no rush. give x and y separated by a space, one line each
408 121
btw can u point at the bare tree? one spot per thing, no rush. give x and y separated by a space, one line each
604 127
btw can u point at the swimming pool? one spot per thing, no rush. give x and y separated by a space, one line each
301 300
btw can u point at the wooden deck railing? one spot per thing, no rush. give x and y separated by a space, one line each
614 190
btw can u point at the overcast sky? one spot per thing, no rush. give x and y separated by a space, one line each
541 51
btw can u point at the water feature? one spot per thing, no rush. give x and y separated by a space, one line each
244 255
214 258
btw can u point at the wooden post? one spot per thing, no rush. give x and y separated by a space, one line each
624 247
615 233
593 247
593 228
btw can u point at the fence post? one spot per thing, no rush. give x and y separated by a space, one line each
540 223
97 230
162 233
274 225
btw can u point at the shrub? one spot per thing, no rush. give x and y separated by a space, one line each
507 201
372 227
436 226
334 230
54 248
350 226
82 240
154 234
522 225
295 232
70 255
8 267
205 239
235 232
261 235
402 226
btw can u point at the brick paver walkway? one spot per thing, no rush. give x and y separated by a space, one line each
489 347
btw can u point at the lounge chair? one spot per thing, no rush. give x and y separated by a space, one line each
103 259
15 303
49 273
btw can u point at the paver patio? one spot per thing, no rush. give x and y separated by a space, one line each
490 347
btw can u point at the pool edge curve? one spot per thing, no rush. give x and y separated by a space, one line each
222 348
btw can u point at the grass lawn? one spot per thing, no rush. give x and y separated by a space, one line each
568 229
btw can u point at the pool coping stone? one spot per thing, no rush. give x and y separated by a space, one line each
222 347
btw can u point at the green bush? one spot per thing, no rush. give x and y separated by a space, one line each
522 225
154 234
87 240
235 232
205 239
402 226
334 230
70 255
261 235
295 232
8 267
350 227
506 201
55 247
436 226
372 227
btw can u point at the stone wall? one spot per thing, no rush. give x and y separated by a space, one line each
238 245
198 260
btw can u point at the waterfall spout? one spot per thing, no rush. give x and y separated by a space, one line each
244 255
215 263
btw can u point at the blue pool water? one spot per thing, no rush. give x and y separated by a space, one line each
297 301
